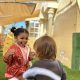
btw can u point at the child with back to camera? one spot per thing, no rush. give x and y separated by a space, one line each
17 56
47 67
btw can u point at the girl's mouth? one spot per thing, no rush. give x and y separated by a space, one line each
22 44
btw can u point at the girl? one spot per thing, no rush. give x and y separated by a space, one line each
17 56
47 67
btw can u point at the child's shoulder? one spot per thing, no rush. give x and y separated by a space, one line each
14 46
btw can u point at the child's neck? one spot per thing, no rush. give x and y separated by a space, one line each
20 45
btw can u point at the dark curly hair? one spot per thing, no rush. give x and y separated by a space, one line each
20 30
13 29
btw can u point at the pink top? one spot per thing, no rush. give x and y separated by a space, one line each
25 51
19 62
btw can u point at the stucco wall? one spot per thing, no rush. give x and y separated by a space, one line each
63 4
65 25
78 20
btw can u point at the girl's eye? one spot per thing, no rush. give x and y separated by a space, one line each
25 38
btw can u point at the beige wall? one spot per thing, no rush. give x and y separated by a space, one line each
78 20
65 25
63 4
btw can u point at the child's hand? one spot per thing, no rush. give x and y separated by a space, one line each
32 55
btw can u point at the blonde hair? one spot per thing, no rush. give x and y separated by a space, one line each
45 47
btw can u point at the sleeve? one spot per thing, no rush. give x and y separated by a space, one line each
63 72
8 58
29 54
63 77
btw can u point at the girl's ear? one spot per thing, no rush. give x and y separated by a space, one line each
15 37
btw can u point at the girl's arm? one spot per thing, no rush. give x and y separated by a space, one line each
8 57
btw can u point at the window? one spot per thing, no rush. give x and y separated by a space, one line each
34 28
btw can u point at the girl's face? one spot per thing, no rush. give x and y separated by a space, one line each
22 39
